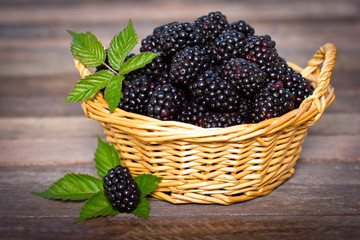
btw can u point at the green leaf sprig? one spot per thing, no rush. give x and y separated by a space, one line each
85 187
89 51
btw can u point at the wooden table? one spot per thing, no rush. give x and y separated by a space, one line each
40 140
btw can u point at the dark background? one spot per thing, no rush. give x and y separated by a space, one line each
40 140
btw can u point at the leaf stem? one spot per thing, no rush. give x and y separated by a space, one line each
116 73
110 68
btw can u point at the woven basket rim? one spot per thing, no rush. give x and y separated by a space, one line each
157 130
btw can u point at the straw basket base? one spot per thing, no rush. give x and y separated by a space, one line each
212 173
219 198
219 165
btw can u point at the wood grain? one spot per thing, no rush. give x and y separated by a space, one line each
292 211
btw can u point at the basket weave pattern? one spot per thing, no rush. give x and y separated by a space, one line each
222 165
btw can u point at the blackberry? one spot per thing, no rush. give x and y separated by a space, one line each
187 64
216 119
297 85
136 94
215 92
243 27
171 37
156 69
229 44
192 113
272 101
247 77
212 25
121 189
164 102
261 50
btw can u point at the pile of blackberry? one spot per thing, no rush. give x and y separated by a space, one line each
213 73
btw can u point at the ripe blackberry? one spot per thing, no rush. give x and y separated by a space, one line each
212 25
297 85
154 70
136 94
272 101
243 27
191 112
121 189
229 44
216 119
187 64
164 102
247 77
171 37
261 50
214 92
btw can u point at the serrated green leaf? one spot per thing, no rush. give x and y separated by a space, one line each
137 62
113 92
73 187
97 205
105 157
87 87
147 183
87 49
142 209
121 45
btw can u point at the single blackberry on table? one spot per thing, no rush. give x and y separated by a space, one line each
171 38
247 77
187 64
261 50
121 189
272 101
212 25
229 44
136 94
164 102
213 91
297 85
191 112
243 27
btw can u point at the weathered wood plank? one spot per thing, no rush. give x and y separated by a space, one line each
330 124
38 105
69 150
53 55
200 227
319 202
47 151
49 127
58 84
160 10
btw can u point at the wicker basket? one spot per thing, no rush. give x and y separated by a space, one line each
216 165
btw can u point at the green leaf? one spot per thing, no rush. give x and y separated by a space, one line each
113 92
106 157
147 183
137 61
142 209
87 49
121 45
73 187
97 205
87 87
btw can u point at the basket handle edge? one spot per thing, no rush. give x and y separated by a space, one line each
325 55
